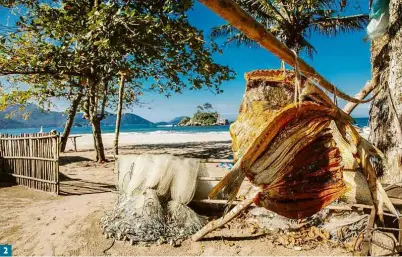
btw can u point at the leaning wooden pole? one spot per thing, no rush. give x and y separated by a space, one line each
364 92
237 17
222 221
119 112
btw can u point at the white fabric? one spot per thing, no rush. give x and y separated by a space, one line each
378 27
163 173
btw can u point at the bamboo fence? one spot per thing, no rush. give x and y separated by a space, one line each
31 159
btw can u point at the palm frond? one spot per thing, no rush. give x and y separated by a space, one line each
334 25
241 40
261 11
308 47
226 30
292 21
234 37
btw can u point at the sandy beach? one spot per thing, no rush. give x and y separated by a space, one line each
38 223
85 141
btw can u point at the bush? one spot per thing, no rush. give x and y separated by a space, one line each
205 118
184 121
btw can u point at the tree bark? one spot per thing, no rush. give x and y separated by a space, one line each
386 109
95 117
70 120
118 118
98 143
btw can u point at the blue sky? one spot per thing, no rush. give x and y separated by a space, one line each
344 60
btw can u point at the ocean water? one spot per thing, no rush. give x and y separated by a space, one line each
124 129
361 122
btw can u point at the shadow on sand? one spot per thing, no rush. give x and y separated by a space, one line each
71 186
202 150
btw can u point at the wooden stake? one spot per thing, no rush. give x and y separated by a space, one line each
211 226
119 113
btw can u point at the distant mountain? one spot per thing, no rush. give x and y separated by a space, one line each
175 121
35 119
126 119
38 118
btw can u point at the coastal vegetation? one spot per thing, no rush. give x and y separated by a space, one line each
32 116
293 22
65 48
204 116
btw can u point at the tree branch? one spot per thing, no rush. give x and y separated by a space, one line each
36 72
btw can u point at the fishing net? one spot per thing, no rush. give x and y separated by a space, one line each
154 191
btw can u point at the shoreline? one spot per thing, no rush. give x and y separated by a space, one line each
85 141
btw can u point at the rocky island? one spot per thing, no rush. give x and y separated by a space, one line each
204 116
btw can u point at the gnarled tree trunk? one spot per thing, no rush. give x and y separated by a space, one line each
70 120
386 109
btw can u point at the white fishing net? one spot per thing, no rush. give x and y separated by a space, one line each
154 191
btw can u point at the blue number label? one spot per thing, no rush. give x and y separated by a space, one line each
6 250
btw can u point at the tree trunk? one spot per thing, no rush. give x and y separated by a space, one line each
118 118
98 143
385 111
70 120
95 118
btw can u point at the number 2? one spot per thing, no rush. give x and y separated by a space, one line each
5 250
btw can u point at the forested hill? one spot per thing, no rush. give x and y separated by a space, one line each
38 118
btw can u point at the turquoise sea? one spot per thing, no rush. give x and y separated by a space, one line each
361 122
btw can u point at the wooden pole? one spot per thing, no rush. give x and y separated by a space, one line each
211 226
367 89
236 16
119 112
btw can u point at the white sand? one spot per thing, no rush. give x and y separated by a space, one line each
85 142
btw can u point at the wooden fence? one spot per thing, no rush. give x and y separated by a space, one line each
31 160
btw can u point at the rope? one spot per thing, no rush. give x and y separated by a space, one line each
107 249
335 98
297 95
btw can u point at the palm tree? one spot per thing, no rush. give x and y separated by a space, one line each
293 22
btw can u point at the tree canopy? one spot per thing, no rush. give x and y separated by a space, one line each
85 44
293 22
